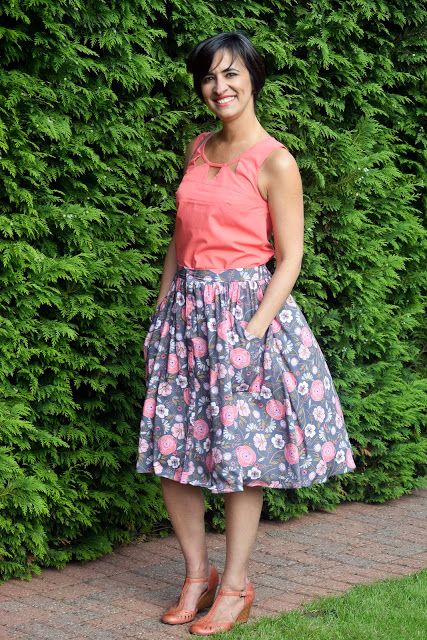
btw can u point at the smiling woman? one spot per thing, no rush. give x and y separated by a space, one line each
239 394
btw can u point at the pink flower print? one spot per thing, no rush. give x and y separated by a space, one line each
234 291
228 414
290 381
245 455
173 363
321 468
239 357
306 337
200 429
158 468
338 406
299 434
275 409
216 455
200 347
328 451
186 395
166 444
165 329
288 407
291 453
210 463
255 386
190 359
349 459
188 308
213 377
259 294
149 408
260 441
180 475
143 445
222 329
317 390
275 325
209 293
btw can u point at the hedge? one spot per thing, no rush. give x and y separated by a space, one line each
95 111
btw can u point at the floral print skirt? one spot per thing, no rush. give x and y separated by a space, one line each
225 408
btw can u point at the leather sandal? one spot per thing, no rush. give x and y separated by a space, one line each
178 615
206 626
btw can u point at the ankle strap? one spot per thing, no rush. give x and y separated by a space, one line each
229 592
197 579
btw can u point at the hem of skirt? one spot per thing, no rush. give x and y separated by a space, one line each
253 483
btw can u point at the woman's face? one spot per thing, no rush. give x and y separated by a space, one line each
227 88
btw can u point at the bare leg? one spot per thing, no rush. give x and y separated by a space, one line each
242 514
186 510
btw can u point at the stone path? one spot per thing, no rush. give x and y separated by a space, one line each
122 595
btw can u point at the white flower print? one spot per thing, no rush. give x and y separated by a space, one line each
178 430
278 441
260 441
310 430
165 389
243 408
286 316
304 352
303 388
319 414
327 383
254 473
340 456
173 462
162 411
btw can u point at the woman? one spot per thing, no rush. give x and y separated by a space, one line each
239 395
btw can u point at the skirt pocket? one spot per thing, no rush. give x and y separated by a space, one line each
246 358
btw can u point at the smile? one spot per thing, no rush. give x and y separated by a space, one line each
224 101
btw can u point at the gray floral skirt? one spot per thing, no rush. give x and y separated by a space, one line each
224 408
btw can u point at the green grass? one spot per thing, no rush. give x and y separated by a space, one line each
391 609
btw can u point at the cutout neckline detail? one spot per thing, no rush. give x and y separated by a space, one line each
233 160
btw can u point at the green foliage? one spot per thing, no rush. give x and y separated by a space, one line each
95 112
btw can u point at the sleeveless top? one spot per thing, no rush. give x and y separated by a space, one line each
223 222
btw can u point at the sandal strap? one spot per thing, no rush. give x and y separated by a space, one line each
229 592
197 579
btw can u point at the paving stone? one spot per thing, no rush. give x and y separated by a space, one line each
124 594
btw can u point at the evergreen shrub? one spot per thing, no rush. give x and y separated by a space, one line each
95 112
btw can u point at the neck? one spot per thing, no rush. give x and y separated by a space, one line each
244 128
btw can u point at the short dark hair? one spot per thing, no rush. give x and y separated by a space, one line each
201 56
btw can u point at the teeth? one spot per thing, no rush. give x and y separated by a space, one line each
223 100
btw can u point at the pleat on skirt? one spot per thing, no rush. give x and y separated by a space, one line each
224 408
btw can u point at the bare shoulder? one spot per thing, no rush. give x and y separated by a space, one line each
280 160
279 168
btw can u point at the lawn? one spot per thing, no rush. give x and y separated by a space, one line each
391 609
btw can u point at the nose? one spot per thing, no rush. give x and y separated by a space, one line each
221 86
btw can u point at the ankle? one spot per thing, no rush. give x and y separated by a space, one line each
198 569
234 584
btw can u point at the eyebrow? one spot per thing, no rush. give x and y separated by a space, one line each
223 71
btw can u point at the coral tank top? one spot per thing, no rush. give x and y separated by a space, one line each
223 222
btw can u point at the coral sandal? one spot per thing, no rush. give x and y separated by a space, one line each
206 626
178 615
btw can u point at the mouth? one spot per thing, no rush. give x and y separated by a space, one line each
224 102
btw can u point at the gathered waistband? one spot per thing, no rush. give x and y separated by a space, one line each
259 272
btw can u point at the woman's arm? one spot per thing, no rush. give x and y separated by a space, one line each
282 181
